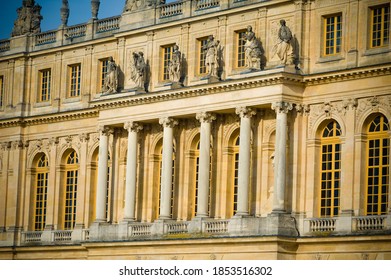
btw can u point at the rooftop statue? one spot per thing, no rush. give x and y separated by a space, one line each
283 49
64 13
28 20
134 5
252 49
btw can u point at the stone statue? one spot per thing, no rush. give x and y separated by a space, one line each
95 8
28 20
211 56
111 79
252 49
283 49
64 13
175 65
138 70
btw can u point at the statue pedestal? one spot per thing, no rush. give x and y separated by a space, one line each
176 85
136 19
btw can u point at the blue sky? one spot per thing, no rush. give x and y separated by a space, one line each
80 11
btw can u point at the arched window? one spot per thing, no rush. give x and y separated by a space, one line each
235 174
72 175
41 186
378 166
330 180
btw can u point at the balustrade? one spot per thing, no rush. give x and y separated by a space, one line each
76 31
207 4
171 9
5 45
62 235
322 225
108 24
32 236
137 230
369 223
216 227
176 228
45 38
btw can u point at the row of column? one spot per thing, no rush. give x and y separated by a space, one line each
281 108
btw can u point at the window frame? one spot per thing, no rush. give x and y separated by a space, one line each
325 142
381 136
103 63
166 52
45 90
336 49
371 26
69 224
41 181
201 69
239 54
74 83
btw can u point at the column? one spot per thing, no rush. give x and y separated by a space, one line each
245 114
166 177
102 173
131 170
204 163
282 108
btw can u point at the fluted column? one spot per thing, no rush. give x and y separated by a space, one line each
102 173
245 114
204 163
131 170
166 176
282 108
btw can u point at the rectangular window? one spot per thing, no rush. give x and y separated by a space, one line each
240 52
380 26
103 72
45 81
1 91
332 34
166 56
201 55
74 80
41 201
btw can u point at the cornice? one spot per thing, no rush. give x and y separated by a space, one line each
347 75
46 119
246 83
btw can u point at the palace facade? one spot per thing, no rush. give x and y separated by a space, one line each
269 139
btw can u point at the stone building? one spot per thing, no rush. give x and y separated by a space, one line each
102 156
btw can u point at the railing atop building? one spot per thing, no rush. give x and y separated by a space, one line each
45 38
5 45
108 24
207 4
171 9
76 31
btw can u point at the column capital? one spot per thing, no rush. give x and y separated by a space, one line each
245 112
168 122
104 130
205 117
131 126
282 107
